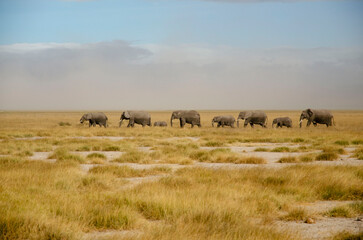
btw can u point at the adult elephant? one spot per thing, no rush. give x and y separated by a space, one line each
160 124
191 117
282 121
226 120
139 117
317 117
94 119
253 117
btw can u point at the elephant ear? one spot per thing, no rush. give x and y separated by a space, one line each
88 116
127 114
309 112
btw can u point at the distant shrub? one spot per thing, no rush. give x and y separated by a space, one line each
111 148
214 144
96 155
261 149
358 153
62 124
342 142
339 212
298 140
357 142
306 158
281 149
327 156
84 148
289 159
250 160
297 214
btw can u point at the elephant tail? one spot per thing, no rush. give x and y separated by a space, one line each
333 121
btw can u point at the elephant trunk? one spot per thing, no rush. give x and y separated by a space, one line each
120 122
238 122
212 123
171 121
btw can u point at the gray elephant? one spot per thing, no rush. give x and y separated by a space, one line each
160 124
282 121
317 117
139 117
253 117
224 121
94 119
191 117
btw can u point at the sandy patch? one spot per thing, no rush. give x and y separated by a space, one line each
149 166
180 138
86 167
30 138
145 149
42 156
102 138
323 206
324 228
110 234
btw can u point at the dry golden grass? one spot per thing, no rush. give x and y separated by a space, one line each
40 200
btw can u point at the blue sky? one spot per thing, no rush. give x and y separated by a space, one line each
200 54
268 24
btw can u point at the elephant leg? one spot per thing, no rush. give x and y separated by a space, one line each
308 123
182 122
89 124
246 123
219 124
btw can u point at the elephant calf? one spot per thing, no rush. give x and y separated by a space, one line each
160 124
224 121
282 121
138 117
94 119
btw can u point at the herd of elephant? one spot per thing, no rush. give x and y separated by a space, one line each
193 117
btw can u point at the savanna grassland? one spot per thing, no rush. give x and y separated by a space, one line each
63 180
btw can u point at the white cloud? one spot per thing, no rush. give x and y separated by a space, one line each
118 75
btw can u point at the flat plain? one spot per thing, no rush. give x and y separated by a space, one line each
60 179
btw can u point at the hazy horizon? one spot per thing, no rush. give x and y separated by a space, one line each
180 54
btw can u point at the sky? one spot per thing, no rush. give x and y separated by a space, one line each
181 54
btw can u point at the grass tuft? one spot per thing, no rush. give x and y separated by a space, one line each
281 149
288 159
326 156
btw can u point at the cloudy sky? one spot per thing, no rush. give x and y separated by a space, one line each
181 54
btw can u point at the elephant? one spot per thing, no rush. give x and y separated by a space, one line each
94 119
160 124
139 117
282 121
224 121
317 116
191 117
253 117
